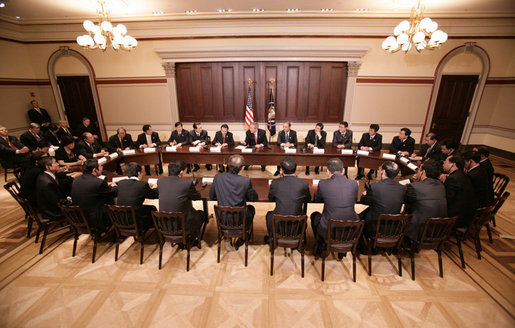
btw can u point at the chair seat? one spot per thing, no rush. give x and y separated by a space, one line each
462 230
340 248
175 239
287 243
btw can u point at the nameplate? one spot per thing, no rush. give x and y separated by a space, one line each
128 152
363 153
194 149
270 181
215 149
290 150
207 180
413 166
152 181
390 156
246 150
171 148
102 177
113 156
404 160
240 147
347 151
318 150
117 179
315 182
149 150
405 182
102 160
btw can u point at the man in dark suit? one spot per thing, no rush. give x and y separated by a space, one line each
176 194
39 115
479 178
149 139
199 137
459 191
448 147
31 137
89 147
425 198
51 136
430 150
223 138
286 138
64 130
255 137
339 196
403 144
179 136
384 197
48 191
489 168
12 152
315 138
288 192
370 141
133 192
84 127
120 141
91 193
342 139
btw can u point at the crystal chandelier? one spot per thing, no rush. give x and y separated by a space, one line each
101 35
419 33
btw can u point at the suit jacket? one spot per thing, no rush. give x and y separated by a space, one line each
339 196
232 190
313 139
376 143
479 178
424 199
183 138
289 194
398 145
7 154
114 143
91 194
82 129
175 195
54 139
460 197
435 153
342 139
229 140
88 150
61 133
28 139
383 197
292 137
48 195
28 185
142 139
488 167
203 137
261 138
132 192
62 155
38 118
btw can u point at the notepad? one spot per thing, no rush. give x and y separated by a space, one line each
207 180
51 152
152 181
149 150
363 152
413 166
315 182
404 160
240 147
128 152
405 182
194 149
290 150
246 150
347 151
102 177
389 156
113 155
318 150
215 149
116 179
102 160
171 148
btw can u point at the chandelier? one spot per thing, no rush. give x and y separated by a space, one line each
419 33
101 35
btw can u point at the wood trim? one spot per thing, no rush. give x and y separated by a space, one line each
24 82
132 81
394 80
500 81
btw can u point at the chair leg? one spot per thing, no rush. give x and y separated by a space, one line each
188 246
116 250
460 249
45 232
489 233
219 246
37 235
75 238
302 260
271 259
477 241
160 254
412 254
369 251
399 261
246 248
493 220
142 250
323 267
94 249
354 266
29 227
440 264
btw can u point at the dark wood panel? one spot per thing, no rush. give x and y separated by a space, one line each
185 92
337 87
228 92
206 93
313 91
291 110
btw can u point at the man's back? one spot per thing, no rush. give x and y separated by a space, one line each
132 192
289 194
460 197
91 194
175 194
232 190
479 178
384 197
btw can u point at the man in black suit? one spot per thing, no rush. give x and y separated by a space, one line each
223 138
120 141
403 144
286 138
479 178
448 147
383 197
12 152
179 136
370 141
39 115
342 139
91 193
489 168
176 194
288 192
459 191
430 150
315 138
255 137
48 191
84 127
31 137
64 130
339 196
133 192
52 136
425 198
89 147
199 137
149 139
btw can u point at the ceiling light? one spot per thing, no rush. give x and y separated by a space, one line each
361 9
158 12
327 9
17 17
191 11
2 4
256 10
292 9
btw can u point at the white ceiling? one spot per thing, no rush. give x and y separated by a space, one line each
54 10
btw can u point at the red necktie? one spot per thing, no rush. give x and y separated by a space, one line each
223 139
121 143
11 145
255 138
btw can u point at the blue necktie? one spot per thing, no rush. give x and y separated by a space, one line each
287 138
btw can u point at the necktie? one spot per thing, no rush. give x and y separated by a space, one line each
223 139
56 137
67 132
38 110
255 137
427 152
38 138
10 144
121 143
287 137
149 140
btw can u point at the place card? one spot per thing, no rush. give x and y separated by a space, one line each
215 149
149 150
363 152
113 155
117 179
152 181
405 182
171 148
240 147
128 152
404 160
290 150
51 152
207 180
347 151
102 177
315 182
413 166
318 150
194 149
102 160
270 181
247 150
390 156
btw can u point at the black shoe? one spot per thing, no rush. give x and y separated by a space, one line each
246 167
209 167
239 242
359 177
147 172
341 255
276 173
317 170
221 169
188 170
196 168
307 170
263 168
370 177
267 240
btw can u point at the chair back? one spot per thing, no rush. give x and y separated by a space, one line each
435 232
75 216
231 221
481 217
123 219
288 230
391 229
500 202
500 181
170 226
343 236
13 189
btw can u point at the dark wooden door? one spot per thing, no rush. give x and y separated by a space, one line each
453 105
78 101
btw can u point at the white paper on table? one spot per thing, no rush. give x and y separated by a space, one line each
207 180
315 182
171 148
195 149
149 150
102 177
390 156
54 147
363 152
404 160
116 179
51 152
347 151
405 182
215 149
113 155
152 181
240 147
270 181
102 160
290 150
247 150
412 166
317 150
128 152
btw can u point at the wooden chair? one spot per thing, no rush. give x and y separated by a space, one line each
389 234
6 167
13 189
498 204
80 225
231 223
481 218
500 182
288 231
171 226
436 231
124 221
342 237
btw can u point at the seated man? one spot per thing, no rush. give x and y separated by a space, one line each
403 144
479 178
383 197
459 191
231 189
315 138
12 152
64 130
339 197
52 136
255 137
119 142
370 141
288 192
133 192
223 138
89 147
489 168
85 126
179 136
342 139
430 150
286 138
91 193
176 194
149 139
31 137
66 155
48 192
199 137
425 198
448 147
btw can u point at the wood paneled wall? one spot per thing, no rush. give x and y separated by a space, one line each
304 91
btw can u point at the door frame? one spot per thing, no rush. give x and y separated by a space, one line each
65 52
467 48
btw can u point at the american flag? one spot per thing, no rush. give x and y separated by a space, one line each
249 110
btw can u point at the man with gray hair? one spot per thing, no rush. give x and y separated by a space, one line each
64 130
255 137
31 137
12 151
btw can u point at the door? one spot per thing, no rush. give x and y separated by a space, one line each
453 105
78 101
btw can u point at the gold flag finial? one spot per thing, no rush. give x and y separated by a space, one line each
250 81
272 80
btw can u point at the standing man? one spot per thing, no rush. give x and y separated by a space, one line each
430 150
489 168
286 138
255 137
223 138
149 139
199 137
315 138
85 126
403 144
370 141
89 147
39 116
31 137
